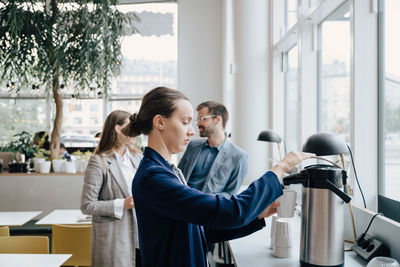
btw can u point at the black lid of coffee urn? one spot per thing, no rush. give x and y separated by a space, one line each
318 174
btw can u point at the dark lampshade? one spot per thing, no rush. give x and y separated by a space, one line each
325 144
269 136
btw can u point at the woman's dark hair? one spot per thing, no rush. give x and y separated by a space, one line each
159 101
108 139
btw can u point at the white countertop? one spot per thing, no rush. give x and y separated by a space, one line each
65 217
33 260
17 218
254 251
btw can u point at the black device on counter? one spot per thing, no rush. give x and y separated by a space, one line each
368 248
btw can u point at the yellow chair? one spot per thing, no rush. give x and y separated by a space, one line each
4 231
24 244
75 240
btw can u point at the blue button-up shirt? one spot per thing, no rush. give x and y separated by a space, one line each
203 165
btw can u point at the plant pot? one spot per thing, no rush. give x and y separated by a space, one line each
81 165
17 167
69 167
58 165
36 163
44 167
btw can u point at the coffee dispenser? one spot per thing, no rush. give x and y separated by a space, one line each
321 214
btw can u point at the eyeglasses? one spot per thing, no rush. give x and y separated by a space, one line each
203 118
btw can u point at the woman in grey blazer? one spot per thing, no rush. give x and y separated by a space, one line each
107 195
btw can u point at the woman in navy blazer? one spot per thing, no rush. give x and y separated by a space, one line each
174 220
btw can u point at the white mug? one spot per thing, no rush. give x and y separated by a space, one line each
273 228
283 240
287 203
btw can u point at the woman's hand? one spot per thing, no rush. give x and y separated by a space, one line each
128 203
271 209
290 161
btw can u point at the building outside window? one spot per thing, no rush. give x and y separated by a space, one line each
334 94
291 100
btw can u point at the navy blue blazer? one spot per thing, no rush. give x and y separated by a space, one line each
175 221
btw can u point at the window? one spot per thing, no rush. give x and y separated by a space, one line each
149 60
77 107
131 106
21 115
291 100
94 107
291 13
334 74
77 120
389 108
94 121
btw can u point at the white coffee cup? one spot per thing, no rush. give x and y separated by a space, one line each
287 203
283 240
273 228
383 262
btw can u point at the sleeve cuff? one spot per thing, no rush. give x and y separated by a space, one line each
279 180
118 208
261 223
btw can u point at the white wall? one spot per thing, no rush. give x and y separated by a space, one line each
251 57
200 49
215 35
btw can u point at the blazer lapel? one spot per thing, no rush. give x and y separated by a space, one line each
193 159
117 174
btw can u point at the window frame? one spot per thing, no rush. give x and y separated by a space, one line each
386 205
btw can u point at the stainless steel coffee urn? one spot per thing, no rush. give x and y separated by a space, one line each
322 242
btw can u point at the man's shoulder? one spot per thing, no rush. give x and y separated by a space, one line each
197 142
234 149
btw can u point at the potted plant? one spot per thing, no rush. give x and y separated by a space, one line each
43 165
22 148
59 164
40 154
82 160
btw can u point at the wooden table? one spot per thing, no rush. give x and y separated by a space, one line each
17 218
33 260
65 217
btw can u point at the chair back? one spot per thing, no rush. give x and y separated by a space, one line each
24 244
4 231
75 240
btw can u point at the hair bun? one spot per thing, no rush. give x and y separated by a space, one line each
133 117
133 128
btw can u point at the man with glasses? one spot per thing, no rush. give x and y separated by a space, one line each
214 165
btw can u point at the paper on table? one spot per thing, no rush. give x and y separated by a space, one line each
85 218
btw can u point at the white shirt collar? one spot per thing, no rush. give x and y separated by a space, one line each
123 158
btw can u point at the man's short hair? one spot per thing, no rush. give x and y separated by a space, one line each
215 108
